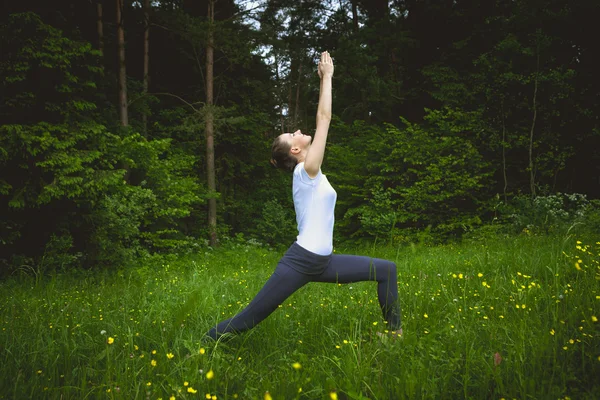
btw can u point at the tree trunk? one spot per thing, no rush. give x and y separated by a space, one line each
278 80
122 72
354 16
297 105
100 27
504 153
535 88
146 59
210 146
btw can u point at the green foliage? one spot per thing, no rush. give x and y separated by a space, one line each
416 176
114 195
554 213
276 225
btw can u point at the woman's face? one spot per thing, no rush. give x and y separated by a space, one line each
296 140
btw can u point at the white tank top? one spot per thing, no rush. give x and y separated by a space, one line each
314 202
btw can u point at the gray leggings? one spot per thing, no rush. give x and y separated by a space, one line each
299 266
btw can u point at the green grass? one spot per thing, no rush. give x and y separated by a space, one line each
503 318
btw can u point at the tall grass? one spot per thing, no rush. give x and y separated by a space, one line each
503 318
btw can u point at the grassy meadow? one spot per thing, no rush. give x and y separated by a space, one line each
512 318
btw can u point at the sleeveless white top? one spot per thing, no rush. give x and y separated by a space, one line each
314 202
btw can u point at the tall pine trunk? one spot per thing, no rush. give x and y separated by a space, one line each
146 59
122 72
100 27
535 89
210 145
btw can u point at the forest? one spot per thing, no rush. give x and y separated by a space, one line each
131 128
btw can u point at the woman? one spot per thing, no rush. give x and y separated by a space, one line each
310 258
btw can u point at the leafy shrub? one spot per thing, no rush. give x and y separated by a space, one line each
545 214
277 225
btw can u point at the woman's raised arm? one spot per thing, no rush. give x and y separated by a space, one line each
314 157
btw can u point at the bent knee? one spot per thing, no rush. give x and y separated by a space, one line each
386 267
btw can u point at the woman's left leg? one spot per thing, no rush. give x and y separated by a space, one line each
347 269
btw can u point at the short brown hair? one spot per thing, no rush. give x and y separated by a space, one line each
281 156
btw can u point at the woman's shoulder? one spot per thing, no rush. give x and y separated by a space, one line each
301 175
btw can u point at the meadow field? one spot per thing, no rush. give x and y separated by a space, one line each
512 318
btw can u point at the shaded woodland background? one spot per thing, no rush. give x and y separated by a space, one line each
130 128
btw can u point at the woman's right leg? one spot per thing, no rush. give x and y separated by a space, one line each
278 287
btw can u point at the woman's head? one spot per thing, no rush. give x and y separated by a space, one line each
289 149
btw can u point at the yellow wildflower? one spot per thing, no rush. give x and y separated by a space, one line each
594 318
480 274
170 355
425 316
296 365
552 332
110 340
333 396
191 390
202 351
268 396
172 398
186 383
210 374
153 363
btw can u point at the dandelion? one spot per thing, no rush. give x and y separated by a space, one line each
110 340
296 365
210 374
170 355
192 390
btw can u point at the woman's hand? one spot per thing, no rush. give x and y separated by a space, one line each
325 65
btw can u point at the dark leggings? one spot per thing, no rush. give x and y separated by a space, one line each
337 268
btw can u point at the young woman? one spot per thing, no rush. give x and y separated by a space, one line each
311 258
